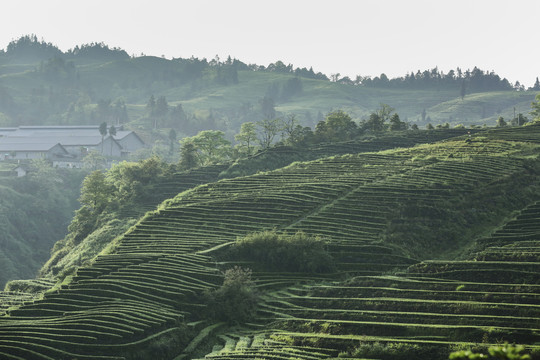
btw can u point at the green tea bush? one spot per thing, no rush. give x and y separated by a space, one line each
297 252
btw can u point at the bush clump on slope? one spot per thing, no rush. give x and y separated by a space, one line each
297 252
236 300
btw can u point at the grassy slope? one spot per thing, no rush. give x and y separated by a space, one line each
148 279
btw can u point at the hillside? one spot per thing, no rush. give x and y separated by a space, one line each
34 214
140 187
41 85
433 247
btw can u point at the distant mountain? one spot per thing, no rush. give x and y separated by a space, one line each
92 83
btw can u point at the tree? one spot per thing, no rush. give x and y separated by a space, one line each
188 156
268 107
288 126
292 87
161 109
151 105
177 117
104 109
536 86
429 126
337 126
103 132
120 112
172 140
384 111
236 300
151 110
423 115
211 145
112 133
94 161
463 89
43 176
268 129
396 124
519 120
95 192
246 137
535 105
501 122
301 136
375 123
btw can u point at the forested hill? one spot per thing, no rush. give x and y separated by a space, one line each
403 253
34 214
92 83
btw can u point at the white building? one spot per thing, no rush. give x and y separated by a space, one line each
77 141
23 149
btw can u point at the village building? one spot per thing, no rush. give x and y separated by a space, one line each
65 146
25 150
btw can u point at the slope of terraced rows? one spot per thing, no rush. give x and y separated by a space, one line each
145 291
178 182
492 297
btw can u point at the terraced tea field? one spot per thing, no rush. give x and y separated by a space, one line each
493 296
384 216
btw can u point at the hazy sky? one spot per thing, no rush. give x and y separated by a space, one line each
350 37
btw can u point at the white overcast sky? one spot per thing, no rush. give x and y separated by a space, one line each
350 37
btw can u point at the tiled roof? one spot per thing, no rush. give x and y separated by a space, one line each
29 146
85 136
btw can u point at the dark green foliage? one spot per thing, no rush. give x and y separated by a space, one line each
236 300
268 109
337 126
97 52
292 87
29 48
396 124
374 124
104 195
499 352
397 351
285 252
188 156
34 213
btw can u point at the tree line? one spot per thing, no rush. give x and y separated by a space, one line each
212 146
470 81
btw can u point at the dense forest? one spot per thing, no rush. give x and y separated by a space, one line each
34 214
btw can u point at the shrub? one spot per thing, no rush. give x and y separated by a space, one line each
236 300
501 352
285 252
397 351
